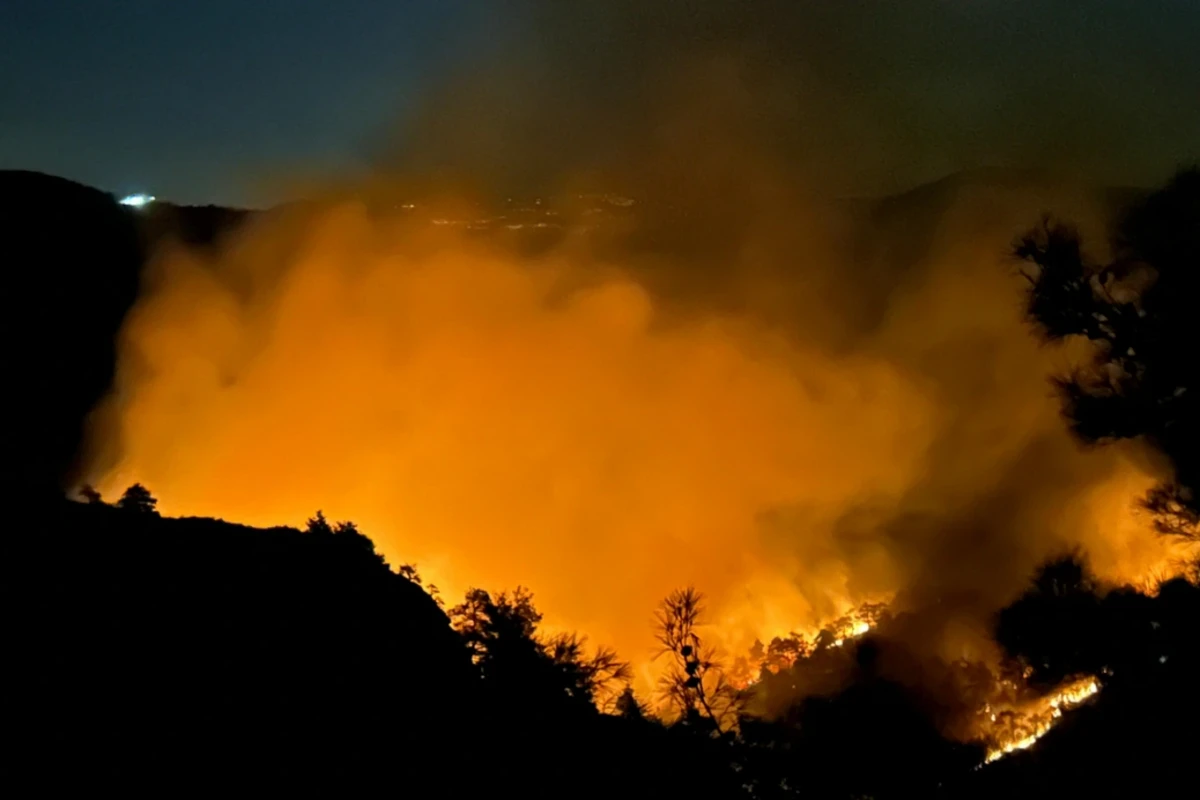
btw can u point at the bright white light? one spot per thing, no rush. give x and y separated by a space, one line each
137 200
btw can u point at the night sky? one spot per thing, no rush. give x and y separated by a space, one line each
200 100
218 100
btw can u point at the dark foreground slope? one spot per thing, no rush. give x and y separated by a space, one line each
162 650
1137 737
169 655
166 655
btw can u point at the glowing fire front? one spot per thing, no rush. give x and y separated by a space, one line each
784 651
1008 720
1030 723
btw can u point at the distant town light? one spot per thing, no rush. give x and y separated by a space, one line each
137 200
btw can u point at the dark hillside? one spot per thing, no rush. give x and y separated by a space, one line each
195 226
71 258
167 647
156 654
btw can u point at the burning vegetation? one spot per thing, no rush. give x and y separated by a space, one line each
1008 714
1013 729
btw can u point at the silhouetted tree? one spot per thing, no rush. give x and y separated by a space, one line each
694 682
501 633
598 677
318 525
1144 652
486 624
345 536
349 536
1139 310
137 498
410 573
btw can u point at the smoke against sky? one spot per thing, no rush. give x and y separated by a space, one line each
861 97
794 403
201 102
502 418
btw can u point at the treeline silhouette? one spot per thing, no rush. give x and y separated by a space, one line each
149 654
1145 651
159 653
164 654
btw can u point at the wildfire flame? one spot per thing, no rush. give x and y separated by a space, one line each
1041 714
858 629
1007 722
784 651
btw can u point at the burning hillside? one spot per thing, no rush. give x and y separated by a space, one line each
609 412
1021 728
998 708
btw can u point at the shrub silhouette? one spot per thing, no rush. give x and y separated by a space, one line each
137 498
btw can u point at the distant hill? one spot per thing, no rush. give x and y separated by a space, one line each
198 226
71 259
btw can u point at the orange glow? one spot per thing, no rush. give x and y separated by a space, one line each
571 423
1034 720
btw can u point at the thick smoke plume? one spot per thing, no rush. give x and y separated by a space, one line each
796 403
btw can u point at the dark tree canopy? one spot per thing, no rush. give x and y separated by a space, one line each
1056 626
346 537
502 634
1140 311
137 498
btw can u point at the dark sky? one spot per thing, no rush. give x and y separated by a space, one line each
213 100
199 100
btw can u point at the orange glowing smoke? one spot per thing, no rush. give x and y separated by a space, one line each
502 419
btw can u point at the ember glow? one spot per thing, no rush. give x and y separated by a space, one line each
1030 723
857 630
782 652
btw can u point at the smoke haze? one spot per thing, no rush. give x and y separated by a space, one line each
794 402
860 97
